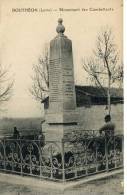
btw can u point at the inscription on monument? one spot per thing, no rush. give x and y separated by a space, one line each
68 81
60 69
54 80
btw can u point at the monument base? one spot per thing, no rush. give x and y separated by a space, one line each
57 132
70 116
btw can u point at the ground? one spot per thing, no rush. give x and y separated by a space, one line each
109 186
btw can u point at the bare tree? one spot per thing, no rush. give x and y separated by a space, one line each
40 78
6 85
103 66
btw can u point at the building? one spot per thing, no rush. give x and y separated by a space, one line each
91 95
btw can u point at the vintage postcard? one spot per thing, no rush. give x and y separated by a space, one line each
61 97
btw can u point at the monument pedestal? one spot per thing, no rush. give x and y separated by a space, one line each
57 132
59 124
62 117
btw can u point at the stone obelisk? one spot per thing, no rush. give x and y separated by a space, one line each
61 117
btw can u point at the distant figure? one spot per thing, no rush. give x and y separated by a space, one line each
41 137
16 134
108 128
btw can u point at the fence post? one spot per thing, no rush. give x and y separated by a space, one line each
4 155
106 153
86 157
51 163
115 152
30 163
96 154
122 149
20 145
40 158
63 165
75 167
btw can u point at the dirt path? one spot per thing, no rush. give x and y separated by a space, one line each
110 186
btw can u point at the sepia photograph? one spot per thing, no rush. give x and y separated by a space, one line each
61 97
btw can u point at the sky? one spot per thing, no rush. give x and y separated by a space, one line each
24 34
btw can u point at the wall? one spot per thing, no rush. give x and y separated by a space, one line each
93 117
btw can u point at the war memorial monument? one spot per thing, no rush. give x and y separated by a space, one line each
61 115
69 151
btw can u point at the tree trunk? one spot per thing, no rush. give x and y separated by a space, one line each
109 96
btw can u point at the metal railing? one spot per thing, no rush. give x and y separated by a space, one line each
62 161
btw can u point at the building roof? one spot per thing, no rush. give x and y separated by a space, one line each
95 91
91 95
